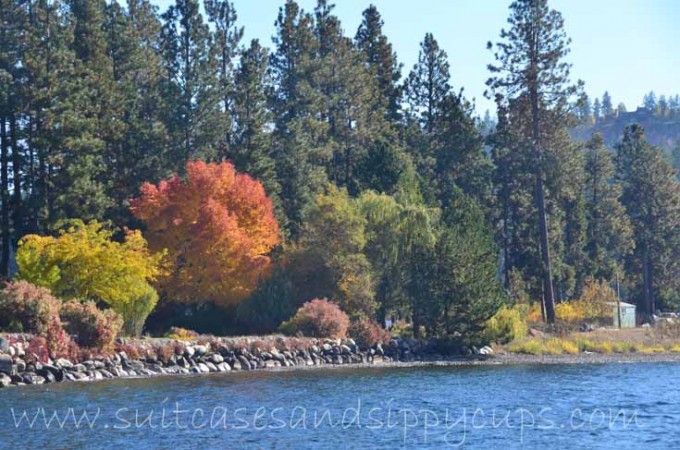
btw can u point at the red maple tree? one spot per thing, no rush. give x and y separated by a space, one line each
218 227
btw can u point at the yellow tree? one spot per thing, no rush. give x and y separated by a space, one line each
84 262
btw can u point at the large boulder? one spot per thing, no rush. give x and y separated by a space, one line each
4 345
7 365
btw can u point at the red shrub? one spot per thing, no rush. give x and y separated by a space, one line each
37 350
27 308
131 351
367 333
92 328
318 318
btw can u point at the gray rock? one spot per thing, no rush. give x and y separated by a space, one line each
7 365
20 350
203 368
4 345
21 365
134 365
245 364
106 374
5 380
70 376
64 363
223 367
236 364
182 362
211 367
119 372
189 352
79 368
216 358
201 350
123 356
486 350
47 375
345 349
32 378
12 351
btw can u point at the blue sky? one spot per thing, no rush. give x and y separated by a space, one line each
625 46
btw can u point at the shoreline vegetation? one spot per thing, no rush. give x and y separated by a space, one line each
143 358
159 177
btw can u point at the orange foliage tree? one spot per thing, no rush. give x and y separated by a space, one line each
218 227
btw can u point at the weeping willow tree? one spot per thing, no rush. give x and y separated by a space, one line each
440 271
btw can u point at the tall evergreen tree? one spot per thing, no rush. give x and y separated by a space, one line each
607 105
300 153
609 237
530 65
651 195
251 148
381 60
428 83
194 118
225 43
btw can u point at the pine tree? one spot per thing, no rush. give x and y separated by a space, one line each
426 90
194 117
299 151
225 43
607 105
381 60
651 196
530 65
251 148
597 109
609 236
138 149
428 83
87 122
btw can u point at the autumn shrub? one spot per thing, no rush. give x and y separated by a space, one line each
27 308
85 262
368 333
91 327
506 325
132 351
181 334
37 350
136 310
318 318
595 304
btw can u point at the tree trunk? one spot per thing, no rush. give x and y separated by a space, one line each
4 197
16 175
647 285
545 252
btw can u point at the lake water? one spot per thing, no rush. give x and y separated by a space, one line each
558 406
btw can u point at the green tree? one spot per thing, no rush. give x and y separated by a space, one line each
609 234
300 154
381 60
651 196
530 65
607 105
194 118
225 42
251 147
331 262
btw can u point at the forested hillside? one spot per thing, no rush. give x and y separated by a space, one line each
660 117
368 183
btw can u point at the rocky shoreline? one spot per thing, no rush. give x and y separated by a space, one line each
157 357
163 357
